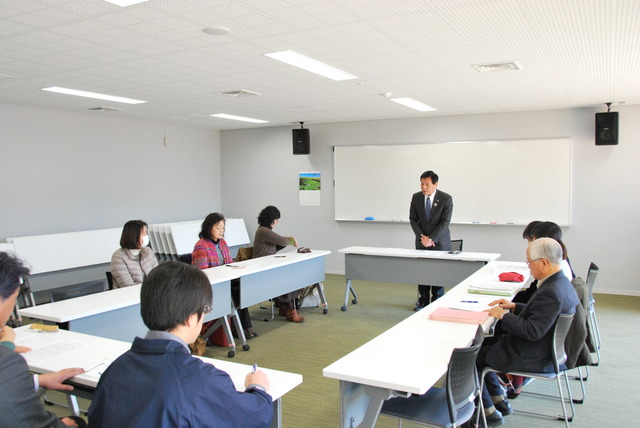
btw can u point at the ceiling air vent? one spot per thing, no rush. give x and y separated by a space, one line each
105 109
240 93
500 66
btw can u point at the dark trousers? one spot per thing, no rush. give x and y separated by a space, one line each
492 386
423 290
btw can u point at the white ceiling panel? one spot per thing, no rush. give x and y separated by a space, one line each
573 53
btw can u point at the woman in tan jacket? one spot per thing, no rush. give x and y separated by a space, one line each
134 259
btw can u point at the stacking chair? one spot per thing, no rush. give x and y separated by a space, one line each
185 258
593 320
559 357
109 280
25 299
78 290
450 406
456 245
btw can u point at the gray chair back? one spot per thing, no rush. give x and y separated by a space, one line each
591 279
461 382
559 335
456 245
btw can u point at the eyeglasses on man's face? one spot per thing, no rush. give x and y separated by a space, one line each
531 261
207 310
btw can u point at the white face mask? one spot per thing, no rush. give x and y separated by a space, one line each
145 240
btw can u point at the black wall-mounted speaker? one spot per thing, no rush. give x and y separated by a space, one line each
301 142
607 129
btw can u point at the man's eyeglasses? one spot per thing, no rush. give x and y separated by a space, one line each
207 310
531 261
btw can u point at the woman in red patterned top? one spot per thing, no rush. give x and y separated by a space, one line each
212 250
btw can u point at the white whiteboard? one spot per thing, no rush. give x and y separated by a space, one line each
491 182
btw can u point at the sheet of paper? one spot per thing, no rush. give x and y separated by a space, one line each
43 347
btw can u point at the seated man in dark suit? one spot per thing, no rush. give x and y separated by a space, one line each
20 404
157 383
527 331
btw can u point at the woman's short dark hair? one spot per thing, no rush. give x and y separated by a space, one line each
131 231
11 271
268 215
549 229
208 223
527 232
171 293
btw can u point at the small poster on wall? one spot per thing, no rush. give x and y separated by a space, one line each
309 185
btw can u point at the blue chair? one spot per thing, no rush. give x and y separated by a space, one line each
450 406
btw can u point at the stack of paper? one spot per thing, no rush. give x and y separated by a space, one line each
454 315
494 288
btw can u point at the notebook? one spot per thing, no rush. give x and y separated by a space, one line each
456 315
494 288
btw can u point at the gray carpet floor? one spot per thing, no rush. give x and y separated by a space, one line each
612 398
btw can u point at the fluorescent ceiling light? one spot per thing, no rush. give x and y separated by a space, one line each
125 3
95 95
414 104
232 117
310 64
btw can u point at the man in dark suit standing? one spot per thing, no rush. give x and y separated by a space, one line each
525 344
430 214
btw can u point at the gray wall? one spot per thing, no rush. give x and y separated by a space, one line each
65 172
259 169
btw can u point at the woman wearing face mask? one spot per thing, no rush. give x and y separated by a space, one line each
134 259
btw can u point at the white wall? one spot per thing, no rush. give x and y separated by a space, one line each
259 169
65 172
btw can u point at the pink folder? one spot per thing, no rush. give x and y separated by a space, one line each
456 315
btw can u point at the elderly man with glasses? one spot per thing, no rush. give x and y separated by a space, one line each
526 329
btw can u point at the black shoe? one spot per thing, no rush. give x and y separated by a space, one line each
250 334
512 393
504 407
420 305
494 419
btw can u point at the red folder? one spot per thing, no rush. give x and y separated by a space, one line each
456 315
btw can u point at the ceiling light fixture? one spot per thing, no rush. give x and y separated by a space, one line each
241 118
95 95
414 104
239 93
500 66
309 64
125 3
216 31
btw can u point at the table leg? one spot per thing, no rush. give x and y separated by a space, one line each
277 414
360 404
346 295
323 299
73 405
240 331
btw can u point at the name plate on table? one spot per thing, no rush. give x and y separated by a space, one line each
456 315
